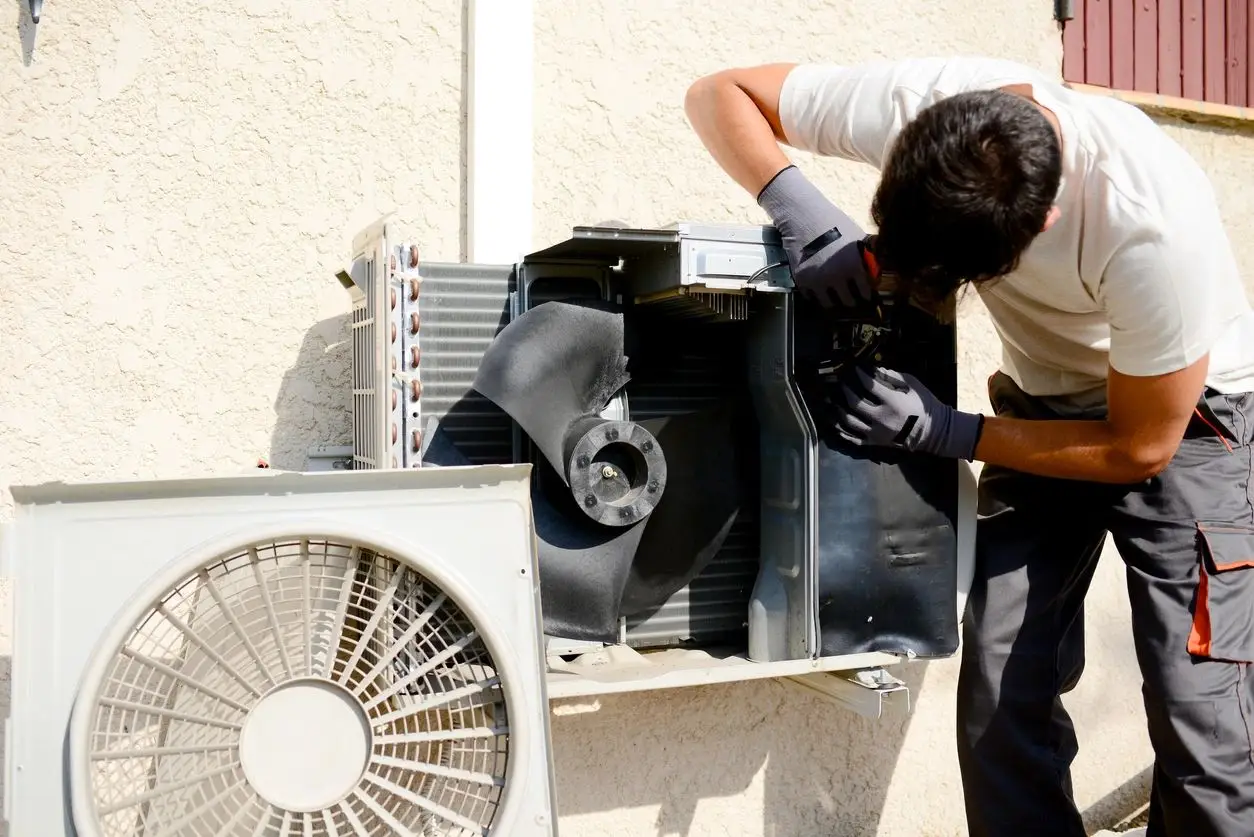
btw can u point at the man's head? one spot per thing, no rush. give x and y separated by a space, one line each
968 184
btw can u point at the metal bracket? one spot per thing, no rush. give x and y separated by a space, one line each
866 691
330 458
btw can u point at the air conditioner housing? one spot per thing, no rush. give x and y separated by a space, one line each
838 557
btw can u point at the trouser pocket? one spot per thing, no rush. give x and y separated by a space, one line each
1223 614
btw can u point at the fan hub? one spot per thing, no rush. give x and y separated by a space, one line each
617 471
305 745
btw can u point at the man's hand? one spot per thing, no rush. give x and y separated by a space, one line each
1146 419
889 409
822 242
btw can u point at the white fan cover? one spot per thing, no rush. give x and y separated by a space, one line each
312 685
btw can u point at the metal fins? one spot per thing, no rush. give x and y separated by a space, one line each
703 497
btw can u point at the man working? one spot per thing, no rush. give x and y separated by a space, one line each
1124 403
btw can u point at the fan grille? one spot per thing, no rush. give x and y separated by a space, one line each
166 754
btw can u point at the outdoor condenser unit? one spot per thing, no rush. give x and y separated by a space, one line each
685 494
348 654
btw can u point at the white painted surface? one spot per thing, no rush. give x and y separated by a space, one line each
182 180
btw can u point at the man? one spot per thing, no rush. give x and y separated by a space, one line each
1123 404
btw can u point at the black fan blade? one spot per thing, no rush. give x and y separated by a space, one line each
704 491
553 370
583 565
554 365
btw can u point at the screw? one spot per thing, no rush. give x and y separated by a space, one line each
647 447
652 486
590 500
583 461
607 472
611 435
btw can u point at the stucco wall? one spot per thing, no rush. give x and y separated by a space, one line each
181 180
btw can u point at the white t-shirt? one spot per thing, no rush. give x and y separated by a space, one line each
1138 271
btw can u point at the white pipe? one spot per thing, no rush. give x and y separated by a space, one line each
499 130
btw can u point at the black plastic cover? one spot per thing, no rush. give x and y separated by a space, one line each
887 521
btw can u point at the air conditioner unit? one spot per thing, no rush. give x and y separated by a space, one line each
695 523
351 653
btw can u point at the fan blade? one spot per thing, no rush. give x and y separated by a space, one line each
553 370
552 366
583 565
703 497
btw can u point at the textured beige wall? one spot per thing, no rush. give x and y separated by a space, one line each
180 180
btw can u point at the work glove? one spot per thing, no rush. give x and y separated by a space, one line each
821 242
885 408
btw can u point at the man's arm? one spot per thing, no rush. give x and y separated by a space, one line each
1161 325
735 113
1146 419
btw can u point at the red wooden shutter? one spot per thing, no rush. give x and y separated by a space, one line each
1196 49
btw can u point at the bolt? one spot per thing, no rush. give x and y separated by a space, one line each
590 500
607 472
611 435
583 461
652 486
647 447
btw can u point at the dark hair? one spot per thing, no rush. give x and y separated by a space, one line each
966 188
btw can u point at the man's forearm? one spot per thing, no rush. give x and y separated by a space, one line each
1078 450
735 132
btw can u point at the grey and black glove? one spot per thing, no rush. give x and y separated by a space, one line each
821 242
885 408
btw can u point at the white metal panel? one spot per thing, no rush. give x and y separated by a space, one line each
620 669
79 553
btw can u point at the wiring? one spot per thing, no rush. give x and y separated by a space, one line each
852 342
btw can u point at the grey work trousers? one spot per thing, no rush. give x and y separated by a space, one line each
1186 537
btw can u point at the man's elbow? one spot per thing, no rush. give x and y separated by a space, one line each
1140 461
702 91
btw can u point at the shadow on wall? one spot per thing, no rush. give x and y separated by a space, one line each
314 403
822 768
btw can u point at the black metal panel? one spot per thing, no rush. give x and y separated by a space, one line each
886 551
